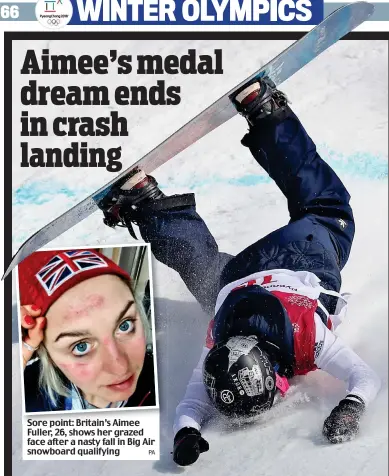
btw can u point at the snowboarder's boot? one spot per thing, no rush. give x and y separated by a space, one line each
260 100
134 197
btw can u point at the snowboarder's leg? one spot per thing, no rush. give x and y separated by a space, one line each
180 239
314 192
178 236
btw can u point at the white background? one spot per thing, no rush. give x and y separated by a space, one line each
147 424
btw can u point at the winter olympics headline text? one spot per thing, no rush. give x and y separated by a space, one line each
197 12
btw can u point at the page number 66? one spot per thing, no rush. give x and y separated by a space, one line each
9 11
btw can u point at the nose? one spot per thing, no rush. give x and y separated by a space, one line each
114 359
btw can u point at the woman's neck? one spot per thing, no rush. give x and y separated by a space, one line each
96 401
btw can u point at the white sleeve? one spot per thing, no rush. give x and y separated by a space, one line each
334 357
196 407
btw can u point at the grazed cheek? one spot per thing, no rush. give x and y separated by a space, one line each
135 351
85 307
78 371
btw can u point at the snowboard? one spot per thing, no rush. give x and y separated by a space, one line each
279 69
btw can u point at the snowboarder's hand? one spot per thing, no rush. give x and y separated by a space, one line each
188 444
343 423
33 325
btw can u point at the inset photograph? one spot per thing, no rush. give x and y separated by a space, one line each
87 329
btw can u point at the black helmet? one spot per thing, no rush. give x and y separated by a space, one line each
239 377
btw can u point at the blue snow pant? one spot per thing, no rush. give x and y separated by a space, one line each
317 238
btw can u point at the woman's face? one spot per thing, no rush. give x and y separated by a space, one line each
94 334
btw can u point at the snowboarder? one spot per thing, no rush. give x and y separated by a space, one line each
277 302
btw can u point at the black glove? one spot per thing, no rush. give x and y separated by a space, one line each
343 423
188 444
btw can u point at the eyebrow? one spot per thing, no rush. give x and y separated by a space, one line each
86 333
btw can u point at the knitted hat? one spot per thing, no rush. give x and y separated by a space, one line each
45 275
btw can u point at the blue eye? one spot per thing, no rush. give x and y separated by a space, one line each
126 326
82 348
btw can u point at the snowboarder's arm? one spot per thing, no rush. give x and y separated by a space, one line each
336 358
196 407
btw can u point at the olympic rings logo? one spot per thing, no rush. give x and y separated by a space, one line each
53 21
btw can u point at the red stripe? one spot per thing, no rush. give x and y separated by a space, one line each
209 343
144 398
252 282
266 280
68 261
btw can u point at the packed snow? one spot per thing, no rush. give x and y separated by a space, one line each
342 100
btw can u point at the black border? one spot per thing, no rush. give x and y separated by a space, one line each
7 253
9 37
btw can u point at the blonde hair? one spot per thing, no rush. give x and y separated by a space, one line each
51 379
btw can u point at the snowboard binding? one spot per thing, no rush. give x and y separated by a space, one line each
260 99
122 203
135 197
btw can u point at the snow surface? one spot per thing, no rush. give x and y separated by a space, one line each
342 100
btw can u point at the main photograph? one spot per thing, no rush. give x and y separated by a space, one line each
258 250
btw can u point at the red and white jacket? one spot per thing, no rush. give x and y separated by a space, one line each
315 345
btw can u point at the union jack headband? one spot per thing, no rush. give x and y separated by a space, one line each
45 275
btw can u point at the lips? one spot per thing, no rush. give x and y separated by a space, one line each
123 385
